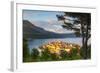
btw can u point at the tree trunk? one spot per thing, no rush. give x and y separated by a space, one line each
84 43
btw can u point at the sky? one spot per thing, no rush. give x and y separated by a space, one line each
46 20
33 15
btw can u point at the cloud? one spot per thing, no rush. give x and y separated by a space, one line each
52 26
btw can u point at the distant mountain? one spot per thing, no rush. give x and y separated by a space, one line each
30 28
32 31
52 26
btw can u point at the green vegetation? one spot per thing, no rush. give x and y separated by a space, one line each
88 52
47 55
26 54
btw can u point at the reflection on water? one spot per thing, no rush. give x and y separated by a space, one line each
35 43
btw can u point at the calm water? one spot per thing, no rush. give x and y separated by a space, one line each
35 43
